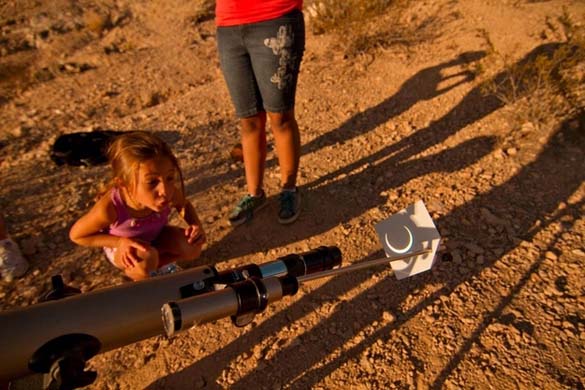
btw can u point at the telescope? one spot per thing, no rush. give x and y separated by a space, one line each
244 299
57 337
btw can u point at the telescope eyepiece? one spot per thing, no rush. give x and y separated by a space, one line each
320 259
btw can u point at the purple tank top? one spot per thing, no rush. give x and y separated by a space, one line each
146 228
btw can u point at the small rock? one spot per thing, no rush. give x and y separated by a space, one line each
200 383
527 127
578 252
491 218
388 317
17 131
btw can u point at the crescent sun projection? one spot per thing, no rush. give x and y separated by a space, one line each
401 250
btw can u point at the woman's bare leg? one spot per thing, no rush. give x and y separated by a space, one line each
288 145
253 131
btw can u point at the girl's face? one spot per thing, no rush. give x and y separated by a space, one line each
155 186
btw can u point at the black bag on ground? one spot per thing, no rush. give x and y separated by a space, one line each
83 149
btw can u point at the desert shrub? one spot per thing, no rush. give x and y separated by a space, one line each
392 32
101 16
204 11
329 15
548 86
362 26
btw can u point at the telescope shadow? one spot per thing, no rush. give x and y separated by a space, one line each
529 196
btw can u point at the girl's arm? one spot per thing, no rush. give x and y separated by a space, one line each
87 230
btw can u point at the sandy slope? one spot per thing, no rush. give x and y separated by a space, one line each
379 131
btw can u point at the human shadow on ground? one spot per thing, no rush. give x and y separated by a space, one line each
539 192
424 85
533 194
350 191
529 196
356 193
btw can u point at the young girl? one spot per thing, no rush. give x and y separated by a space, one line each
130 219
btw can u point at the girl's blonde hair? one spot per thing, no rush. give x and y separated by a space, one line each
129 150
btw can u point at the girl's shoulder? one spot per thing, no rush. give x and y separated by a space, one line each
106 206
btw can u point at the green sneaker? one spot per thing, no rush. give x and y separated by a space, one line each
290 206
246 207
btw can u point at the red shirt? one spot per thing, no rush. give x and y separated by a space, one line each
235 12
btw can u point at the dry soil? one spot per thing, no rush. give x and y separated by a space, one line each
505 309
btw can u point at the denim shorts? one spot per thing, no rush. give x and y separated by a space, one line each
261 61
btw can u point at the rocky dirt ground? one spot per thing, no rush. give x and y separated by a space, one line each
380 130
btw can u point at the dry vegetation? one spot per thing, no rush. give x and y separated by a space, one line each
549 86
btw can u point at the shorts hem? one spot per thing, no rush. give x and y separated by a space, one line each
279 110
248 113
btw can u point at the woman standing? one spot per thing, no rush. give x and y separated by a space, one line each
261 44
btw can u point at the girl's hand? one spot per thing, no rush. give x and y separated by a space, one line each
195 235
128 248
